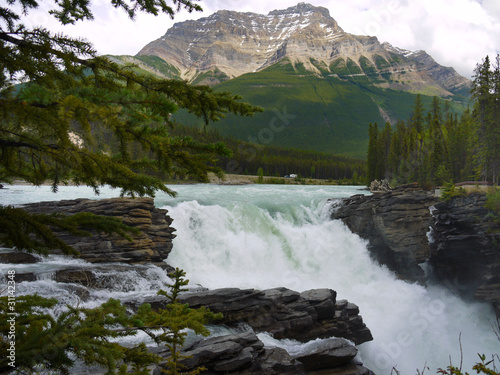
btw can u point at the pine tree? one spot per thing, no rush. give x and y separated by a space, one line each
417 118
482 88
495 123
384 151
373 155
68 115
438 162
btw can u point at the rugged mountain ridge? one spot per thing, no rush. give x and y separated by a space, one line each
228 44
326 85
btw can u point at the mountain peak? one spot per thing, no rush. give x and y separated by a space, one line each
300 9
228 44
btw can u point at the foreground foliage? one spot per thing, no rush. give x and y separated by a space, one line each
54 342
482 367
68 115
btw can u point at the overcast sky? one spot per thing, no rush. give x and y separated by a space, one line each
457 33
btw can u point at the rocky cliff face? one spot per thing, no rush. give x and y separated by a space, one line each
233 43
465 247
238 43
406 227
396 224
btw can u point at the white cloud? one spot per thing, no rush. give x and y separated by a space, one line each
458 33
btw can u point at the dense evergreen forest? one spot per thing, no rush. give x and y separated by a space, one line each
248 157
435 146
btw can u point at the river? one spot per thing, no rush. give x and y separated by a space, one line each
264 236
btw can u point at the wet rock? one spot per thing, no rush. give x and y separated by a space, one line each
80 293
240 353
396 224
328 354
465 252
281 312
24 276
17 257
76 276
278 361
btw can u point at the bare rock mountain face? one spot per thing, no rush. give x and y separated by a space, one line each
228 44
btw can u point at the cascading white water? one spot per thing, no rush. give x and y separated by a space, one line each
271 235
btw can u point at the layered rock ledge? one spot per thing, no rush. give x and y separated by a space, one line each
151 245
281 312
284 314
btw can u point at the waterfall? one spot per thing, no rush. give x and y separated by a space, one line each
264 236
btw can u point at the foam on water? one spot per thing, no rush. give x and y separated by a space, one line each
263 237
269 236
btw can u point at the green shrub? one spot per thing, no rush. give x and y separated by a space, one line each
451 191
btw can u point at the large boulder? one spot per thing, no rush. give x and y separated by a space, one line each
396 224
17 257
241 353
327 354
244 353
151 245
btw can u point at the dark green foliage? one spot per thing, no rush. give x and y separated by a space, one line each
381 63
373 157
450 191
81 118
48 126
486 92
210 77
493 204
326 111
353 67
368 67
248 157
47 342
493 201
173 320
339 67
52 342
260 175
437 147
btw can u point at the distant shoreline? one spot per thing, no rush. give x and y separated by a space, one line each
228 179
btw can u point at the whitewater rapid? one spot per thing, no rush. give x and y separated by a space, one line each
270 236
264 236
